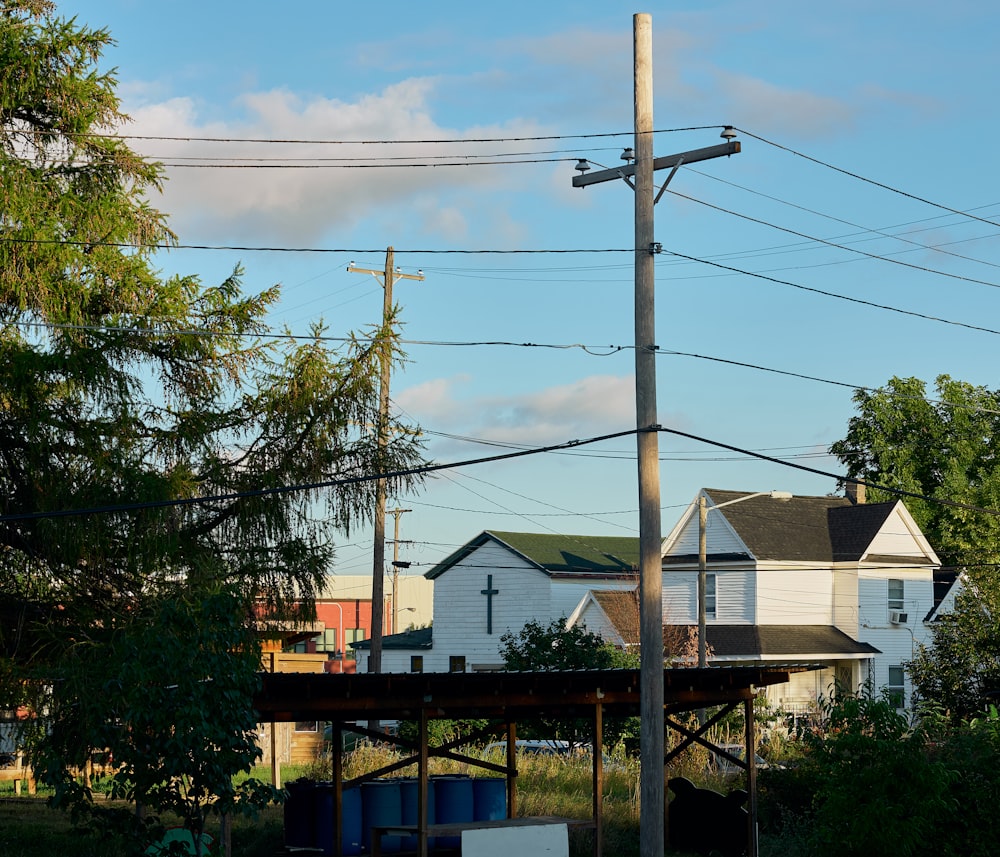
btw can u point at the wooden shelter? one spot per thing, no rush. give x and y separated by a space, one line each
507 698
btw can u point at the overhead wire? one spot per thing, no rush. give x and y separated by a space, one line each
434 468
386 142
864 230
834 244
866 180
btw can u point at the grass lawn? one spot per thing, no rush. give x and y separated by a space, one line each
29 828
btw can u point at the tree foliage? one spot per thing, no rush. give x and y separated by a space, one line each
556 647
872 784
169 697
960 670
154 434
945 448
538 647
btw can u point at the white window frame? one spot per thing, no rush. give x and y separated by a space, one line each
895 602
711 596
897 689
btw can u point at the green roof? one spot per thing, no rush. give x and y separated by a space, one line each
557 554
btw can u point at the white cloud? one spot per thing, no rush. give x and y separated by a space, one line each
591 406
300 206
433 402
755 103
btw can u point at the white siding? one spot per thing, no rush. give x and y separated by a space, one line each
873 591
460 626
846 601
568 593
734 596
395 661
801 693
719 536
680 597
795 596
897 643
594 620
896 538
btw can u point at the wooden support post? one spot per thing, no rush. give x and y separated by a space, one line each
511 766
226 833
275 764
337 772
423 759
597 745
751 760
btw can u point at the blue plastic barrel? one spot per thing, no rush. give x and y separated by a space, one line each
489 798
409 787
453 802
300 814
350 802
381 803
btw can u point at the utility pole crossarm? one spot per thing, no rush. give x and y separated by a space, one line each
666 162
380 274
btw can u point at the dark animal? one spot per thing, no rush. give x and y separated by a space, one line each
705 821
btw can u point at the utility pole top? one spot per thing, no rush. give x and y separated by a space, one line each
397 274
666 162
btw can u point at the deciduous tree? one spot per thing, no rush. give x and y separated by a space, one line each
946 448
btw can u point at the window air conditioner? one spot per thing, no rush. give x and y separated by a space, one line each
898 618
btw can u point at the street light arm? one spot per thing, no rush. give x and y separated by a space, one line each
703 510
774 495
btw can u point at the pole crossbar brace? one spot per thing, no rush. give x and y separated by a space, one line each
666 162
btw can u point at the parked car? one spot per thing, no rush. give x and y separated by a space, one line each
728 768
541 747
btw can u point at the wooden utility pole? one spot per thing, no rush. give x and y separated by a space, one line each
396 565
639 176
651 793
386 278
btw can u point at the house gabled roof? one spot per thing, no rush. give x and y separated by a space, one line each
557 555
758 642
804 529
620 609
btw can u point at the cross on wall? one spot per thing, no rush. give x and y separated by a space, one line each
489 592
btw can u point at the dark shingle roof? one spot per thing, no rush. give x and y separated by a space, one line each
415 638
557 554
817 529
782 640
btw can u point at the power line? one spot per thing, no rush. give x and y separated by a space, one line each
592 350
830 294
433 468
379 166
383 142
865 230
861 178
835 245
309 486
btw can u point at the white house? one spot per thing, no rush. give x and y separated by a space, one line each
824 581
498 582
828 581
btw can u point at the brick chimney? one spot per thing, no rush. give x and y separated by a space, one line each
856 493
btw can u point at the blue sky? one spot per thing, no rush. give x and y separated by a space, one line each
898 93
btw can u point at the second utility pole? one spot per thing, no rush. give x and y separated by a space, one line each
386 278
